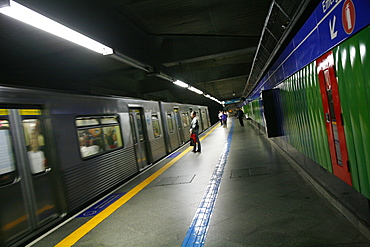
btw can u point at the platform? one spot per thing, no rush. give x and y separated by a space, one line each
240 191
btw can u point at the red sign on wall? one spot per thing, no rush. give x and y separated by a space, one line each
348 16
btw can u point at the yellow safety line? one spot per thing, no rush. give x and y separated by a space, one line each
88 226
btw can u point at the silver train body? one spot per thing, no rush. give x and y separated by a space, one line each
60 152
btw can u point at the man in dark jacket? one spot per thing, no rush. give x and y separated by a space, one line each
240 115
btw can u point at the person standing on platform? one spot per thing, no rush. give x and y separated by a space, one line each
240 115
224 119
194 129
220 117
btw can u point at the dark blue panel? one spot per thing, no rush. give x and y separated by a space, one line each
290 66
285 54
309 50
306 29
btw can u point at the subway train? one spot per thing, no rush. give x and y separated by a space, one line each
59 152
318 104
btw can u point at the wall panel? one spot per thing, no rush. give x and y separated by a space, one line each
352 60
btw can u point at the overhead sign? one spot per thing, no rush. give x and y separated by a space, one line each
232 101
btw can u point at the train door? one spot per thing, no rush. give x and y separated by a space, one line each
170 132
27 196
333 117
137 121
180 131
207 118
204 119
200 119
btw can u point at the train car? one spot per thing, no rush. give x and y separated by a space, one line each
60 152
319 88
147 130
204 116
174 135
183 120
177 118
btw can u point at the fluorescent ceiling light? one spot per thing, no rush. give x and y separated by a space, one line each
180 83
191 88
195 90
212 98
35 19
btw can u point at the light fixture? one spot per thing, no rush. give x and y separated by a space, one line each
26 15
212 98
165 77
129 61
195 90
181 84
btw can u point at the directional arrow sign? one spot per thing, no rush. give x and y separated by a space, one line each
333 33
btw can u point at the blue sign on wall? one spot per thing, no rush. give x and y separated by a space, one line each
340 19
332 22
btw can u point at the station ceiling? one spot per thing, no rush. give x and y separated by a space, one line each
210 44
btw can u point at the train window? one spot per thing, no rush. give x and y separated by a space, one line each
109 120
156 126
112 137
80 122
185 119
7 161
98 134
90 141
35 144
4 124
170 123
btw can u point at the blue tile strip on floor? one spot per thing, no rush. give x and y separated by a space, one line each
196 235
